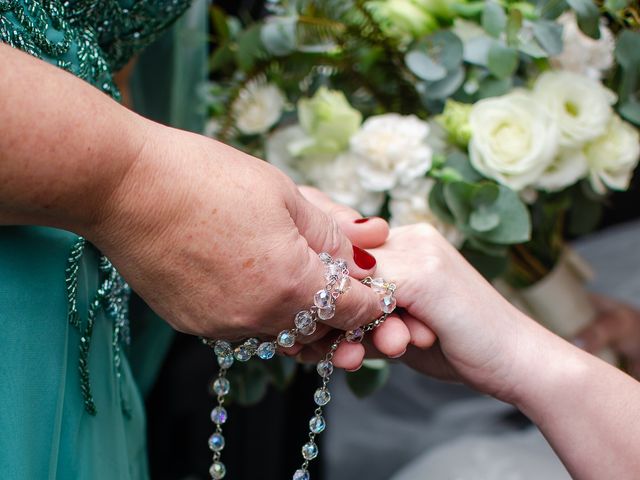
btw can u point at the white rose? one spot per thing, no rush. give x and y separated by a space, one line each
338 179
580 105
513 139
392 150
258 107
613 156
582 54
410 205
280 148
568 167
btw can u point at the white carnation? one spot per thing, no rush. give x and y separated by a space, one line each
613 156
338 179
280 148
392 149
580 105
569 166
582 54
258 107
410 205
513 139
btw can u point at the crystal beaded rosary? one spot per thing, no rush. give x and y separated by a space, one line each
324 308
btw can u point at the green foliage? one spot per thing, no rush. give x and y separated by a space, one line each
372 376
588 16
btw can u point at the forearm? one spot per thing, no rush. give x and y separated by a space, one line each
64 148
587 410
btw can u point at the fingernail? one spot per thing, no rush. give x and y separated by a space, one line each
399 355
363 259
362 220
354 370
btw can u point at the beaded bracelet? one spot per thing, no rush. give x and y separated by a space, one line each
338 282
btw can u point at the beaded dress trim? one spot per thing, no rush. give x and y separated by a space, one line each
90 39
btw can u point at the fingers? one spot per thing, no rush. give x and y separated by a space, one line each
323 234
421 335
364 232
392 337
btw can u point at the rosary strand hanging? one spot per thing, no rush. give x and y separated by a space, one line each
324 307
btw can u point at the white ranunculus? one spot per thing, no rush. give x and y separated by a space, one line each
513 139
258 107
569 166
392 150
279 152
338 179
580 105
410 204
613 156
582 54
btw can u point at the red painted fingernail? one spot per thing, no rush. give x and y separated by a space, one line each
363 259
362 220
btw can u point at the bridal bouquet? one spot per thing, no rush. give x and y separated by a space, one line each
504 124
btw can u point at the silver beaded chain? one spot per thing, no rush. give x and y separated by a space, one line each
338 282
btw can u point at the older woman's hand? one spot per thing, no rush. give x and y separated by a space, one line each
222 244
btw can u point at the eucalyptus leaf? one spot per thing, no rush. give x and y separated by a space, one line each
627 50
476 50
616 5
484 219
549 36
249 48
515 222
458 197
503 60
367 380
438 204
424 67
514 24
461 164
493 87
588 16
494 19
278 35
630 111
446 87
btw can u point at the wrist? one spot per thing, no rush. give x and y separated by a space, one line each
550 374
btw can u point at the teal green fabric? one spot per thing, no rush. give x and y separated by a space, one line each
45 431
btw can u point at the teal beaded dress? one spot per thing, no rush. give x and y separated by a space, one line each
70 406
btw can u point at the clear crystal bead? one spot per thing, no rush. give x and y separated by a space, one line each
216 442
303 319
301 475
333 272
219 415
340 263
267 350
378 285
226 361
324 368
322 299
325 257
344 284
322 396
252 343
388 303
355 336
317 424
221 386
217 470
309 451
222 348
242 353
286 338
326 313
309 329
